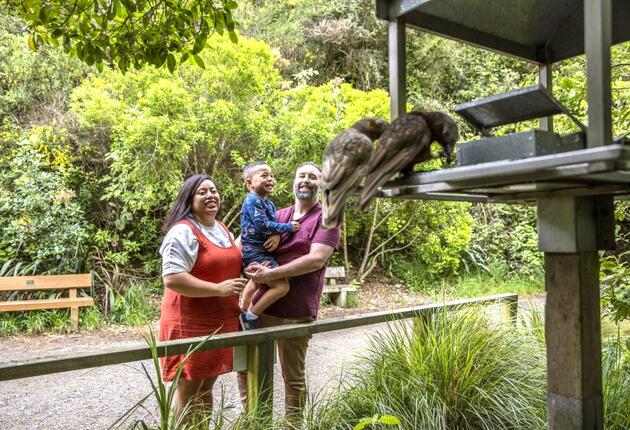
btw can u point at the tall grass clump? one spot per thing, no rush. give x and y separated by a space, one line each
450 370
616 381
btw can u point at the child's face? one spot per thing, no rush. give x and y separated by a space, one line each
261 180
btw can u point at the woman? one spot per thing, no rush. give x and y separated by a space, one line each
201 268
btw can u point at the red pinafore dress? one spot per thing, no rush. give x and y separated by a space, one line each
183 317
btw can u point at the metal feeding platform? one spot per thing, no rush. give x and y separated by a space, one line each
520 166
591 171
573 179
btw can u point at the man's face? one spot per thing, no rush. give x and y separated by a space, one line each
306 183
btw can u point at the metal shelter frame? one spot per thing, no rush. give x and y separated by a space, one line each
574 190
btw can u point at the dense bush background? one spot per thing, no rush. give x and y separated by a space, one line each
92 160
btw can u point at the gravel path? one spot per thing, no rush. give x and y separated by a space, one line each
96 398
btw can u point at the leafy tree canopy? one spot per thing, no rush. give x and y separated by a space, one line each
126 32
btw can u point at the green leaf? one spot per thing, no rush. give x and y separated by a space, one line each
43 14
200 42
171 63
390 420
31 42
199 61
233 37
362 424
185 56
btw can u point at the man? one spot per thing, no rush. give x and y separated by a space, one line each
302 258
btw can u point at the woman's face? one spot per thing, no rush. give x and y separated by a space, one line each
206 201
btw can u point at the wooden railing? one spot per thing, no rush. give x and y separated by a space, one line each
259 343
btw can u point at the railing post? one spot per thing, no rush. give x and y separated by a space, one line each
260 358
510 309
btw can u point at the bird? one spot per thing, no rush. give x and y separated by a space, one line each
345 164
406 143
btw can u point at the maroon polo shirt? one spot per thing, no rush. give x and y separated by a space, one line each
302 300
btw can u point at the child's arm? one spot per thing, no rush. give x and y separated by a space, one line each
258 215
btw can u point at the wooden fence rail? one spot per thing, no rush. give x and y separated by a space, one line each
62 363
116 355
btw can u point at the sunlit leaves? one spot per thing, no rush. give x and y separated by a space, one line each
125 33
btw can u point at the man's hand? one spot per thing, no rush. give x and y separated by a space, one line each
258 273
272 242
230 287
296 226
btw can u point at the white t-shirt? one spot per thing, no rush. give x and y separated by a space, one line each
180 246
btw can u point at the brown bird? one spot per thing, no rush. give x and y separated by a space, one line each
406 143
345 164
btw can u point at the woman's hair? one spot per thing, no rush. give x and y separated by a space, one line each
183 203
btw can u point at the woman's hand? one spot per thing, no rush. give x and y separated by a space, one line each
230 287
272 242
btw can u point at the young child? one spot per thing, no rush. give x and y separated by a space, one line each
258 222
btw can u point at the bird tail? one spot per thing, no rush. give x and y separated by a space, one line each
332 209
370 189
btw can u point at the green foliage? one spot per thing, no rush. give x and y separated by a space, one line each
34 86
132 307
616 378
90 318
322 40
9 324
377 422
125 32
495 282
160 129
504 240
452 370
35 196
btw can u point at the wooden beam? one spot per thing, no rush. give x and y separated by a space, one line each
49 282
31 305
17 369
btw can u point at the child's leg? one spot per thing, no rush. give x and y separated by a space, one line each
248 294
277 289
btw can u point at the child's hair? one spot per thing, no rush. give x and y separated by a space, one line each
247 170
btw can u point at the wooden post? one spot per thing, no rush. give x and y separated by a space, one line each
573 333
260 358
74 310
510 309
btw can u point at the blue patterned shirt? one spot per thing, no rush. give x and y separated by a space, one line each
258 221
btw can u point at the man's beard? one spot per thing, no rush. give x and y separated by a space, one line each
310 194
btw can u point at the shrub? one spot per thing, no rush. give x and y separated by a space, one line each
453 370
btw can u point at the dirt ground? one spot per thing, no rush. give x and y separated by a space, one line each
96 398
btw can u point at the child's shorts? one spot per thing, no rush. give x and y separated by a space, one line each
252 254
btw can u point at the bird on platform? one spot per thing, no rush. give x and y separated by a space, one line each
345 164
406 143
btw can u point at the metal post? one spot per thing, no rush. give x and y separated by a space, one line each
397 68
545 79
597 42
260 359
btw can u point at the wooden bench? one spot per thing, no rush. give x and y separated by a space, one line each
338 293
52 282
